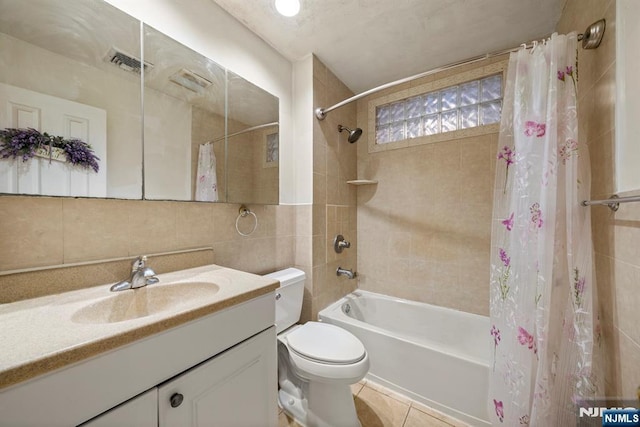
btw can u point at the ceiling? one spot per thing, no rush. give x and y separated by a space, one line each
367 43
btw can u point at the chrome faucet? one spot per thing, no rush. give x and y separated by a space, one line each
141 275
343 272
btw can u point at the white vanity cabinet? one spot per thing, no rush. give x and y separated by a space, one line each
233 389
224 364
230 390
141 411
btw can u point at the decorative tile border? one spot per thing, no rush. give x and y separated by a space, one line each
33 283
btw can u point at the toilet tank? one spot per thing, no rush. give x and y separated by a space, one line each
288 297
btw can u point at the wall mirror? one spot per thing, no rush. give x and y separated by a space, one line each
74 69
61 73
184 108
627 102
253 149
209 134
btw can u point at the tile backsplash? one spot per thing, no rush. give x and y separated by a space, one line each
58 231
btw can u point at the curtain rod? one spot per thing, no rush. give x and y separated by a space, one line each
613 202
240 132
591 39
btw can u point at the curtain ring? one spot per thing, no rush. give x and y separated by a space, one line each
243 212
535 45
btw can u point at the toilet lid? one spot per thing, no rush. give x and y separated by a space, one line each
326 343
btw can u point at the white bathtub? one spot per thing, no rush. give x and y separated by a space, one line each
434 355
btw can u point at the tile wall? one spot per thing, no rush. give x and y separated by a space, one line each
50 231
616 235
334 201
424 230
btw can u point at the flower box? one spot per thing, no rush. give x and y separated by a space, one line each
27 143
56 153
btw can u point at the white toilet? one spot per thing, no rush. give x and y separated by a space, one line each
317 362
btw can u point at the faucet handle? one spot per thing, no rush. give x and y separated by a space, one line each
339 243
139 263
148 272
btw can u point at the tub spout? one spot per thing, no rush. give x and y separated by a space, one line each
343 272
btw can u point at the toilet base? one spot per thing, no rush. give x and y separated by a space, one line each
328 405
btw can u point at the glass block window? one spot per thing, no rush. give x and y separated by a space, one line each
467 105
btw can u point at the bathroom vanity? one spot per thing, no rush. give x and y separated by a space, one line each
198 348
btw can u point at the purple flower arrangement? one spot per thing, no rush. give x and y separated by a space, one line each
23 143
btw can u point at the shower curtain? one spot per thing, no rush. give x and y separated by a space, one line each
206 179
544 327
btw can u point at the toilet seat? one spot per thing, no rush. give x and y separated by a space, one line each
347 368
325 343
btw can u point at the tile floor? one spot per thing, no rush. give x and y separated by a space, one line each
378 406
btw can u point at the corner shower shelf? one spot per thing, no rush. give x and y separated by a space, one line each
362 182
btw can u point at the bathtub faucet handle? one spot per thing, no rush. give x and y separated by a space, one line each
339 243
344 272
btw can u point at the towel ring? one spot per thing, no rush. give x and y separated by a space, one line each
243 212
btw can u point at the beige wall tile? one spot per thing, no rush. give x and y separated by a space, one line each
304 220
319 70
58 231
319 250
31 232
285 220
304 251
603 118
285 252
629 366
320 188
334 163
194 224
319 219
424 230
224 219
320 158
58 279
156 221
627 299
95 229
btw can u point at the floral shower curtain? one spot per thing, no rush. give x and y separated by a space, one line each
544 332
206 178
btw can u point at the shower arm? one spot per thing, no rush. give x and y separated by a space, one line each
591 39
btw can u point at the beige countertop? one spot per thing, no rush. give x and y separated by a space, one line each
43 334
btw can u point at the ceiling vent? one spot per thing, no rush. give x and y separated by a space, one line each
190 80
125 61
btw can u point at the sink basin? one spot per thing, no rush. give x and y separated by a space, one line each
143 302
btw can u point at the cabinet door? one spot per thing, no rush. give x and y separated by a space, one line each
237 388
141 411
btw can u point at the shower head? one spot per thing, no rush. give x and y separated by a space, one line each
353 134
